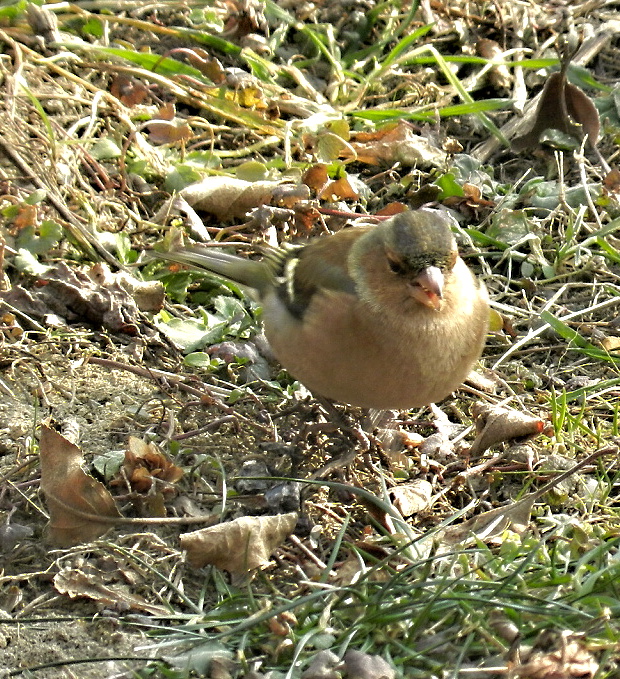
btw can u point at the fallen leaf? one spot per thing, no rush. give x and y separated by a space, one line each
324 665
572 661
360 665
128 90
396 143
74 498
144 461
75 583
227 197
563 107
495 424
412 498
499 75
238 546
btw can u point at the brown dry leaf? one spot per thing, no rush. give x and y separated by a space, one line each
324 665
391 209
128 90
110 300
169 132
238 546
499 75
316 177
26 216
571 661
470 202
396 143
563 107
610 343
227 197
76 583
206 64
74 498
340 189
611 181
491 524
360 665
145 461
515 516
148 295
412 498
495 424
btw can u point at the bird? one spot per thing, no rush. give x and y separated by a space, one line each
384 316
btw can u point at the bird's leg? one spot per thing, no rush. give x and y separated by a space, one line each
363 436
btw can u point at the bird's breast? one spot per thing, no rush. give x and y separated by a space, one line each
348 351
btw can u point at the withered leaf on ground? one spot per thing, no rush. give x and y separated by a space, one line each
228 197
495 424
397 143
74 498
563 107
99 297
238 546
76 583
145 462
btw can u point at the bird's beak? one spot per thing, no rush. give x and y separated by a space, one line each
427 287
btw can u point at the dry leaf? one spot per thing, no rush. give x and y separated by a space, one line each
340 189
128 90
316 177
412 498
397 143
108 300
75 583
227 197
495 424
571 661
324 665
499 75
360 665
238 546
491 524
144 461
515 516
560 104
74 498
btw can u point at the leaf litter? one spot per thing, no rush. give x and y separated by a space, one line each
45 351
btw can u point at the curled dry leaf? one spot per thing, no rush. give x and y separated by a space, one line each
495 424
145 462
238 546
94 585
324 665
563 107
499 74
74 498
97 296
412 498
397 143
571 661
227 197
360 665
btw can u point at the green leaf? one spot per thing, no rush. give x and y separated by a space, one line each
198 359
449 186
576 341
180 177
39 240
105 149
191 334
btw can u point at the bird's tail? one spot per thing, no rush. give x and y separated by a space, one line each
248 272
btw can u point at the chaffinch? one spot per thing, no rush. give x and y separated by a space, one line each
386 316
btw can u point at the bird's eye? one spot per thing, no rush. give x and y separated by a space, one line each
396 265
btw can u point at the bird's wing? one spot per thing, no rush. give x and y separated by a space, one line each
320 265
